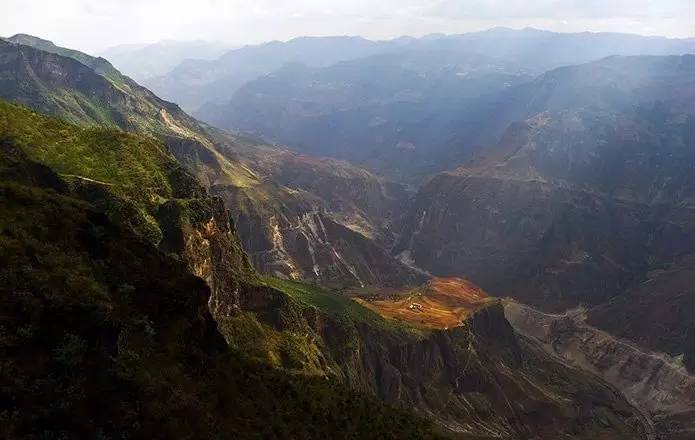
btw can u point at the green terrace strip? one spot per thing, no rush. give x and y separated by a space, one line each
338 306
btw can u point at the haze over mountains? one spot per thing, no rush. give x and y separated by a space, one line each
194 84
421 179
583 202
144 61
419 103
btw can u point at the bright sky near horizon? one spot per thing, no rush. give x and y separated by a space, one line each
94 25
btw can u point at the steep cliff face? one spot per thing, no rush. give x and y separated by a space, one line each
203 233
578 202
655 313
293 238
545 243
104 335
352 196
89 91
657 383
479 380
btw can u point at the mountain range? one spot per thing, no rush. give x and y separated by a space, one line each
281 223
406 108
335 268
144 61
194 83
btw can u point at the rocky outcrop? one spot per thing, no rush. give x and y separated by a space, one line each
657 383
579 202
202 232
479 380
352 196
482 380
290 237
280 225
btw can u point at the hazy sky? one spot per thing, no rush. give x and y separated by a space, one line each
93 25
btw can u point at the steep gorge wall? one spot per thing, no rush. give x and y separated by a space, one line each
479 380
655 382
294 238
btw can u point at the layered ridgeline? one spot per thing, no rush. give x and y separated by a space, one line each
405 108
289 230
195 83
589 201
143 61
106 334
656 382
82 261
405 115
102 235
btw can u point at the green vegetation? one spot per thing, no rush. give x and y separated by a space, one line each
106 156
331 303
305 328
338 306
290 350
127 175
106 98
104 336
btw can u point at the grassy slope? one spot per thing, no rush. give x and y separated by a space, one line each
89 91
106 155
134 175
337 306
88 309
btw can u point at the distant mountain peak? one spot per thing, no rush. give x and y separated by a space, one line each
31 40
99 64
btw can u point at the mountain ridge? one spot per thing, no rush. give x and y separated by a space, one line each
405 119
90 306
581 203
288 323
214 159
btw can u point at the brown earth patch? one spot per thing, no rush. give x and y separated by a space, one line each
441 303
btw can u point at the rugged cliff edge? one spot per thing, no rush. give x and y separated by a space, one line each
655 382
138 227
105 329
479 380
89 91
